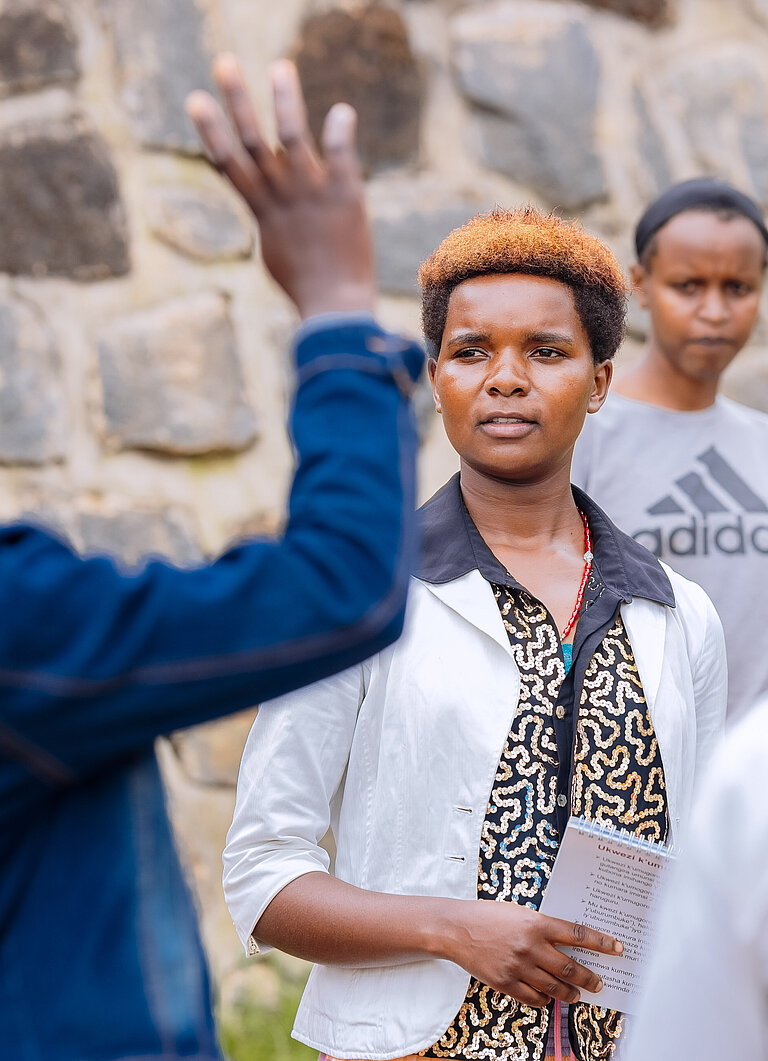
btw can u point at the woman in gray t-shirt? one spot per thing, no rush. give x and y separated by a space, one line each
674 463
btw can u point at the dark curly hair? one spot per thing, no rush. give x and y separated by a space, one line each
530 242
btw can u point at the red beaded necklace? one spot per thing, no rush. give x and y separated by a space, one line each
584 578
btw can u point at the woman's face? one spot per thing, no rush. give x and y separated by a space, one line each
515 377
702 286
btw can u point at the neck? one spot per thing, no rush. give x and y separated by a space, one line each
655 381
522 516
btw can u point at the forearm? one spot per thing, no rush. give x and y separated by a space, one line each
509 947
325 920
164 649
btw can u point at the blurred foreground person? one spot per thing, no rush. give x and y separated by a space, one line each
549 666
677 465
707 993
99 951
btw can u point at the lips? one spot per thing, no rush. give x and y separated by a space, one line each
507 425
507 418
710 340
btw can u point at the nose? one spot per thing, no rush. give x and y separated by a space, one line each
507 375
714 306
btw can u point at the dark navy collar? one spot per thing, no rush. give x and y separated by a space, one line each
452 546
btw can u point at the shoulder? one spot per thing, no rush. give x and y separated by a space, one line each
612 416
617 419
688 594
743 416
694 611
617 410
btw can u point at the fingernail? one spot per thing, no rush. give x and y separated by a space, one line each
618 947
197 104
226 65
342 112
599 985
282 73
339 124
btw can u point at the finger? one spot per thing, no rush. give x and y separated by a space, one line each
572 934
550 987
224 154
571 972
338 144
231 83
291 114
528 995
212 127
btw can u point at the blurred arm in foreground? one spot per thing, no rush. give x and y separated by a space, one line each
707 989
97 933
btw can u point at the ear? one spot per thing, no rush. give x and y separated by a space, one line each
603 377
639 276
432 369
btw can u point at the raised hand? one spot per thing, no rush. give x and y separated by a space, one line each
315 239
515 950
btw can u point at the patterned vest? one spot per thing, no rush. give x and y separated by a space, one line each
618 778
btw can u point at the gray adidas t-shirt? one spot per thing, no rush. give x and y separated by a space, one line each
693 488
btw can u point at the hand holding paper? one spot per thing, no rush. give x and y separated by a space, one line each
515 950
608 880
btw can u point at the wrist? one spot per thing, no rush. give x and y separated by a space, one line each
442 927
337 298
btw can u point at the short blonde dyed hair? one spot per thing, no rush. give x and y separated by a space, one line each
530 242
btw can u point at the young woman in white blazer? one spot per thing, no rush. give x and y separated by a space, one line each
549 665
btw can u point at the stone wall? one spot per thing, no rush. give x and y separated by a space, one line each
143 355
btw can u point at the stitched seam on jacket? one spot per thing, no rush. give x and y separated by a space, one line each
36 759
292 652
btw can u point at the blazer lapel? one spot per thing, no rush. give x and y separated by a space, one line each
646 622
471 597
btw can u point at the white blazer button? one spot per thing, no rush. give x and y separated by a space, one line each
560 711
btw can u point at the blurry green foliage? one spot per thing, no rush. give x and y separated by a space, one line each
261 1033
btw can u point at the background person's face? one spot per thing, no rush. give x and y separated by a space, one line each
702 287
515 376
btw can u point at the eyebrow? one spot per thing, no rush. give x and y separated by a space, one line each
551 337
465 338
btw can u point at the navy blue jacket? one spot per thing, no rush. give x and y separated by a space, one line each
99 951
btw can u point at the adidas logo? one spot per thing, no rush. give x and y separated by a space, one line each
718 512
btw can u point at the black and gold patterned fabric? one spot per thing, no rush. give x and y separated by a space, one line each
617 777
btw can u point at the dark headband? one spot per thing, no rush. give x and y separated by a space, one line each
691 195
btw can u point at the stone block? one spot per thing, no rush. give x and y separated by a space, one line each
54 516
718 100
32 414
211 754
37 45
746 380
403 242
162 55
533 73
172 381
60 208
652 13
362 55
651 148
638 323
759 8
133 536
201 816
200 224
